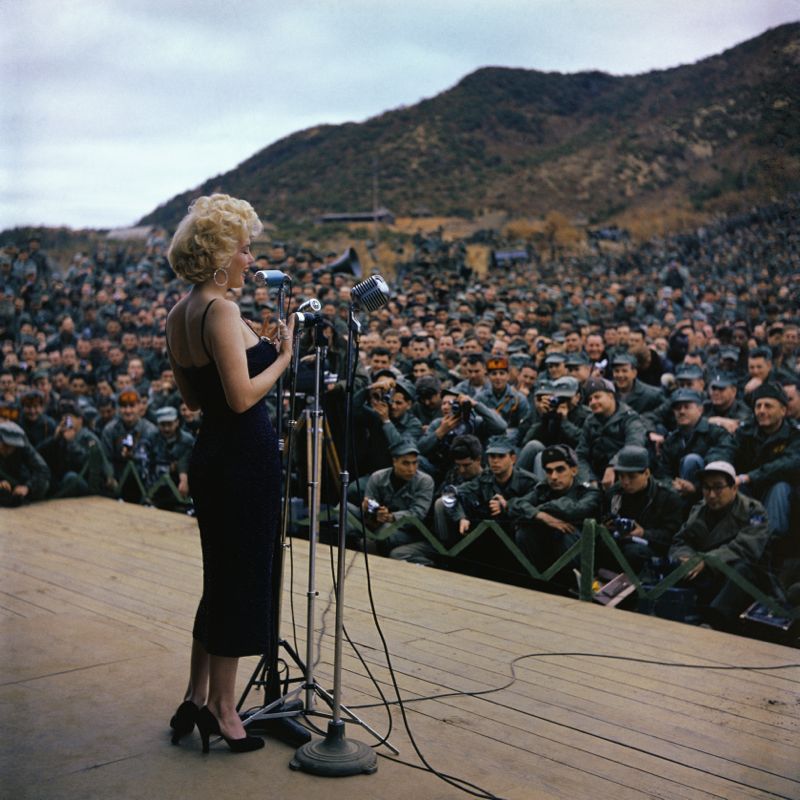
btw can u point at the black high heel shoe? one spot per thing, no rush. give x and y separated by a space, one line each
184 719
207 724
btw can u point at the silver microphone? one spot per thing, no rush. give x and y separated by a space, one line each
371 294
313 303
271 278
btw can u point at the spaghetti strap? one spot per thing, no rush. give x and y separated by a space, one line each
203 330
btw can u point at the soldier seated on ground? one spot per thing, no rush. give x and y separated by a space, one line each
611 426
550 517
643 514
731 527
767 457
24 475
692 444
75 456
172 449
391 494
467 454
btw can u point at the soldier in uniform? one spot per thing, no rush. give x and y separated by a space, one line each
489 494
172 449
128 439
560 419
401 490
460 415
37 425
692 444
724 407
24 475
75 456
733 528
550 516
643 398
652 509
611 426
507 401
767 457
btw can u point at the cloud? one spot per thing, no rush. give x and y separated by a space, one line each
110 107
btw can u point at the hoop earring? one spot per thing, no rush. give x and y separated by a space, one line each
224 272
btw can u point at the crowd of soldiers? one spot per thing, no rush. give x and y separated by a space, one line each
655 389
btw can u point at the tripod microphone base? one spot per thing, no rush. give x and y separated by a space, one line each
335 755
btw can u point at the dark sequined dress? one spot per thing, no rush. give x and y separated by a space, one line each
234 479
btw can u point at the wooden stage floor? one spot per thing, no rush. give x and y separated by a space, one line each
96 607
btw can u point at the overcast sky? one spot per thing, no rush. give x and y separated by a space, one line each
110 107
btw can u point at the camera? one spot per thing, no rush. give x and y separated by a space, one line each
541 345
372 505
382 397
623 525
554 402
455 408
449 496
127 441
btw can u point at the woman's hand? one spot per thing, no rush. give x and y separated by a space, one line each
285 338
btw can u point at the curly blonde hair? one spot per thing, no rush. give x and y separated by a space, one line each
208 237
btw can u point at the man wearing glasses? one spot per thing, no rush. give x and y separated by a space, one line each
730 526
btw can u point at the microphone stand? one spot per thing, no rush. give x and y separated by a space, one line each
336 755
277 712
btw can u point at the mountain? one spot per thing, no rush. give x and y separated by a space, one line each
714 134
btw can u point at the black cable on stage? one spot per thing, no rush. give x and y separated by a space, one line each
458 783
674 664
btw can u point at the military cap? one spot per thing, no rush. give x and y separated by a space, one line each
12 434
566 386
689 371
499 445
428 385
542 388
559 452
404 448
770 390
722 467
685 396
577 359
625 358
723 379
598 385
631 458
496 363
166 414
406 389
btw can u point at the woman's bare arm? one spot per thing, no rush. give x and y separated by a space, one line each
224 336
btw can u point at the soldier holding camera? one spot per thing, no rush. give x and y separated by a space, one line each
644 514
460 415
77 462
129 439
401 490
